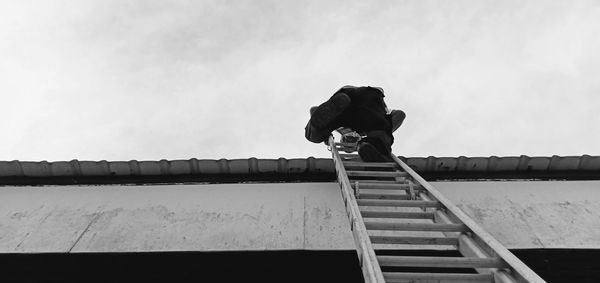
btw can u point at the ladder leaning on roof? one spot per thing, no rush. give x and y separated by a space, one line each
382 198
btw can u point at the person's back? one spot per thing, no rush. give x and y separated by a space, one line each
367 112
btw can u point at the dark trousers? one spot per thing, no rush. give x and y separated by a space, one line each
365 114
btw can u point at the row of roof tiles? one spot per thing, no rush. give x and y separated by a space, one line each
288 166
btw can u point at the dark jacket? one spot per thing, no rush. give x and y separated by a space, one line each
367 111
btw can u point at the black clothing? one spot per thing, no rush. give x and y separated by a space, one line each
366 113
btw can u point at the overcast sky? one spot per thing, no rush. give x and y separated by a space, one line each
147 80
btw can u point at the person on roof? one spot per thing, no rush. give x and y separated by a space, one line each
359 110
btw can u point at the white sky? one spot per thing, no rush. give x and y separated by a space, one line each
147 80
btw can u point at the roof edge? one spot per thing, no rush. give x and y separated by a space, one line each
287 170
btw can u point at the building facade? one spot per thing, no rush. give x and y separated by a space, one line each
272 219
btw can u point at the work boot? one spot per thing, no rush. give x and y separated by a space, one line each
326 113
396 117
369 151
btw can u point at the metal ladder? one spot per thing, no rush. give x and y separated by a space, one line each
391 207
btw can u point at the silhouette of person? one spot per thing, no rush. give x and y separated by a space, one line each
359 109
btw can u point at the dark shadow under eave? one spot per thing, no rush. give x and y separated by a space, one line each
554 265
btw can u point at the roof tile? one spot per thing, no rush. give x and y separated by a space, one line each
287 166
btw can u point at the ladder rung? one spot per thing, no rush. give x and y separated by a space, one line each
438 227
345 155
364 195
396 214
413 240
435 261
399 203
342 146
384 186
370 164
346 149
380 182
376 173
458 277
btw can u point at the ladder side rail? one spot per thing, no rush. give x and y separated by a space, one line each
468 247
368 260
520 270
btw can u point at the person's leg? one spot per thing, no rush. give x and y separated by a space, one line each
315 134
325 118
312 133
376 146
326 114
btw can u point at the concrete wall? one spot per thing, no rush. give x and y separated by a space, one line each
173 217
272 216
534 214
